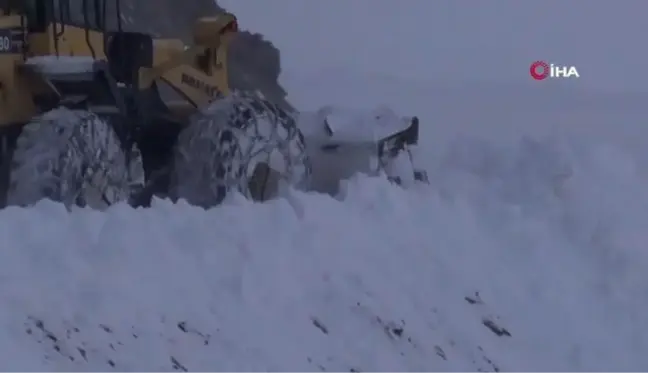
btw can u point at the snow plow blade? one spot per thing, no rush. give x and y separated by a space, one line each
342 142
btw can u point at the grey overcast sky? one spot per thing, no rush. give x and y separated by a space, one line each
469 39
605 39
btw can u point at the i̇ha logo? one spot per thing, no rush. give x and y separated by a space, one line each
541 70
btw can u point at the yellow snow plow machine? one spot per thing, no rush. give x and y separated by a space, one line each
92 115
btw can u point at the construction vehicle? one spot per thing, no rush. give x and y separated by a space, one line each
92 115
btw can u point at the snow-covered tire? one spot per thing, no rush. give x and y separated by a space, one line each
227 144
73 157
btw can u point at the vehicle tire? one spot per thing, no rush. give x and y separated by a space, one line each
241 142
73 157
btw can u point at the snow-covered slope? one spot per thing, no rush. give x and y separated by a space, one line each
381 279
527 252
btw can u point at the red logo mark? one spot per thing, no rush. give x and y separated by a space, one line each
539 70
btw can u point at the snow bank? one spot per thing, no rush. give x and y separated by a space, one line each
523 258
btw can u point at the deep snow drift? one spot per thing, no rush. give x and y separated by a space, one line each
381 279
527 252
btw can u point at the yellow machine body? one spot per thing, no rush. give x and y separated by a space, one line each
198 73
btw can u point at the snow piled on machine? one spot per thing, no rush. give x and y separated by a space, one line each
73 157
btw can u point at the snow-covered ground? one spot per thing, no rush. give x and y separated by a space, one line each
527 251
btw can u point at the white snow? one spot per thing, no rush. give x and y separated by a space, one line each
62 64
538 203
349 126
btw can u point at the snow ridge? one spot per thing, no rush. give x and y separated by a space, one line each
514 259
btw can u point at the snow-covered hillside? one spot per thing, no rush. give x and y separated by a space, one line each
526 252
